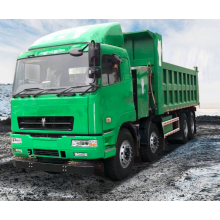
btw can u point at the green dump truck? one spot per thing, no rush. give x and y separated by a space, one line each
93 94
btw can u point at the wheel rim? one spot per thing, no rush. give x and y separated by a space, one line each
154 142
185 128
125 154
192 124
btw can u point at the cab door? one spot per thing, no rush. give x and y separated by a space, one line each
116 92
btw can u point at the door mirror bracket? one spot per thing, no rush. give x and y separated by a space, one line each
94 71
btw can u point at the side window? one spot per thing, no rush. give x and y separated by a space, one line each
110 70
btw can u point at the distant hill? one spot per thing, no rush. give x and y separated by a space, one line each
5 105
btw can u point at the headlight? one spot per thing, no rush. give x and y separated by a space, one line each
16 140
18 150
84 143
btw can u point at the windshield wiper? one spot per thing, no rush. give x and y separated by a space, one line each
25 90
72 87
47 91
91 87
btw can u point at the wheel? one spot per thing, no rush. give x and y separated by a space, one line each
119 167
191 125
149 150
184 129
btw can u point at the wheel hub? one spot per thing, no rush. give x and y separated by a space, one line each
154 142
125 154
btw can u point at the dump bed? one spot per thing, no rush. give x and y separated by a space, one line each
174 87
179 87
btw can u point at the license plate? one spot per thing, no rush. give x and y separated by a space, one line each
80 154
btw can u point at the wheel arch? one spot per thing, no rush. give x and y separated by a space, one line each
132 129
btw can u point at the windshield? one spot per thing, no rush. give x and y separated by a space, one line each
52 72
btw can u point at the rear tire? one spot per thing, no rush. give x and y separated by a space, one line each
149 151
184 131
119 167
191 125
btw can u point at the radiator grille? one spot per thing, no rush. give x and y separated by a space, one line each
40 152
46 123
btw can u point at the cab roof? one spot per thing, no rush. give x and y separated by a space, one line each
108 33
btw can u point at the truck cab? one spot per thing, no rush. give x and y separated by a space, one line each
60 110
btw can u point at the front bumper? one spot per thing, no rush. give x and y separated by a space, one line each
50 167
63 147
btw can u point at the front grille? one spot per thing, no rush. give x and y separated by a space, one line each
46 123
53 153
39 135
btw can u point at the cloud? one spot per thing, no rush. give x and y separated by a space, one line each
17 35
196 44
186 43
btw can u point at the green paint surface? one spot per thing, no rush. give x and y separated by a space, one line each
167 128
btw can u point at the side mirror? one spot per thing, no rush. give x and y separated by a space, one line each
76 52
94 54
94 71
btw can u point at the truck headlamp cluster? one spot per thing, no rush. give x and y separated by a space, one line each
84 143
16 140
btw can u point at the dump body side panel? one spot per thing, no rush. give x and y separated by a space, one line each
179 87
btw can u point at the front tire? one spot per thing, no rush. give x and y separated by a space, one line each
119 167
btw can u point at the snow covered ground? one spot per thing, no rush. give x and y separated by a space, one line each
182 172
211 112
5 105
211 109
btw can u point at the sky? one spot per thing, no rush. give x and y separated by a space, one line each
186 43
